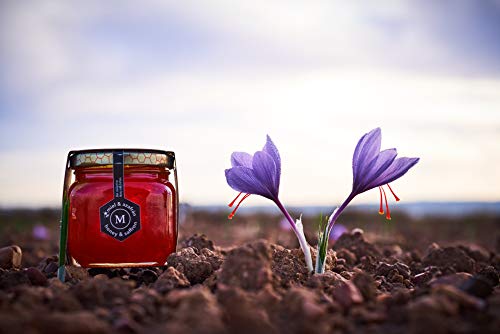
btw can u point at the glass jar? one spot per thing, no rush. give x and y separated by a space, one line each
119 208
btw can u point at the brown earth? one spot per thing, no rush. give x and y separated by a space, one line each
428 275
260 287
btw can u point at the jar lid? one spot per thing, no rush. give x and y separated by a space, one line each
101 157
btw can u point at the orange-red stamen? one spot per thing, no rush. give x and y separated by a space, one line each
393 194
381 209
388 215
237 206
234 200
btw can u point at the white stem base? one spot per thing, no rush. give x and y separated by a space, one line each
305 249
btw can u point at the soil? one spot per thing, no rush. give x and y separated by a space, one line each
258 287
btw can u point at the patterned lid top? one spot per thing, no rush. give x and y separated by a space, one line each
100 157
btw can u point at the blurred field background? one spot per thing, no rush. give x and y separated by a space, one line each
404 232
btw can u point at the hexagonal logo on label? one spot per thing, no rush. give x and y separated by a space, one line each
120 218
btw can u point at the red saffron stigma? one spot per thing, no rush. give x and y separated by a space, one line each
234 200
237 206
388 215
381 209
393 194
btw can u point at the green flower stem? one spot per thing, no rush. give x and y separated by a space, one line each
323 237
63 241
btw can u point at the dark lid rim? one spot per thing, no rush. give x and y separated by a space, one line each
170 155
125 150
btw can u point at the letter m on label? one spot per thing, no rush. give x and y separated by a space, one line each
120 219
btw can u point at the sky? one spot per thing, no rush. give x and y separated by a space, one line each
205 79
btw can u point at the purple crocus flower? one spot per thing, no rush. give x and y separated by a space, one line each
260 175
371 168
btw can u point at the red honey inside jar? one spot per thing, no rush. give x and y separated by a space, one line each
122 208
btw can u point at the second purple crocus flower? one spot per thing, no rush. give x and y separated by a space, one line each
260 175
371 168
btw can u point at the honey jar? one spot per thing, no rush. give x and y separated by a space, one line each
119 208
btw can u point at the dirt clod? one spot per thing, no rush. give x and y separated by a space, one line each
36 277
248 267
198 242
196 267
355 243
449 259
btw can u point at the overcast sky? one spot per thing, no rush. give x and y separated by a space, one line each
208 78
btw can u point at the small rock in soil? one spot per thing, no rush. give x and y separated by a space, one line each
171 279
10 257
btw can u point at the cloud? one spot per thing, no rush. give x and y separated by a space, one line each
52 43
207 80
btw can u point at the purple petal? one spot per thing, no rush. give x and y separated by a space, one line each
244 180
397 169
241 159
376 167
264 169
366 150
272 150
